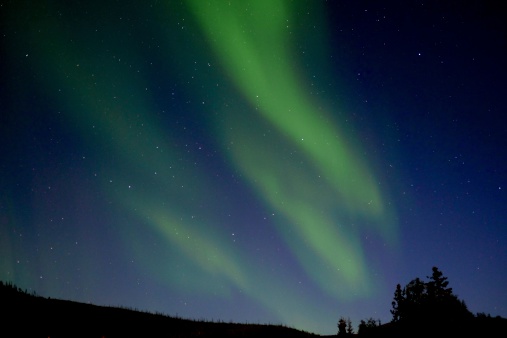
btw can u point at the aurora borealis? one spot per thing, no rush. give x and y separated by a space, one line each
253 161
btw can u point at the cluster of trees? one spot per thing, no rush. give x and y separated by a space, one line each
424 306
428 301
365 326
8 289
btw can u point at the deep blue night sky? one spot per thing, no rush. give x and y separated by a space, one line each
283 162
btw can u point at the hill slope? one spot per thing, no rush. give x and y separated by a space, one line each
45 317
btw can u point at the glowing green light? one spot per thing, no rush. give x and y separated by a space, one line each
255 49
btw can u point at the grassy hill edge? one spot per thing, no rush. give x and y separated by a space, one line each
46 317
30 315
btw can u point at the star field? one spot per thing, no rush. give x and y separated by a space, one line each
284 162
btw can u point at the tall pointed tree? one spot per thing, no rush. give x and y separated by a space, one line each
437 286
398 303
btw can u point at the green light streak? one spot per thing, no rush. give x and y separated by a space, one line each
201 244
253 46
255 50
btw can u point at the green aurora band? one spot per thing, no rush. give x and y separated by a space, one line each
254 47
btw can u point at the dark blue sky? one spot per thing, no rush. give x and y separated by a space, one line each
253 161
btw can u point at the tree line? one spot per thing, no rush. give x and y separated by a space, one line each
423 307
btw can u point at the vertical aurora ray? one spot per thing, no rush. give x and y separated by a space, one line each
254 45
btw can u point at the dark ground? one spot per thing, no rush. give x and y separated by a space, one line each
29 315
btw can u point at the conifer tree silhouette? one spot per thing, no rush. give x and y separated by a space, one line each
429 306
342 326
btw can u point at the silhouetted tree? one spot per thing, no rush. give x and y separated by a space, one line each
398 303
350 329
428 306
437 286
483 315
416 297
342 326
366 327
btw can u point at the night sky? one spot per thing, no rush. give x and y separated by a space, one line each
272 162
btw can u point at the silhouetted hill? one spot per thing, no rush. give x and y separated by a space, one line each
28 315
